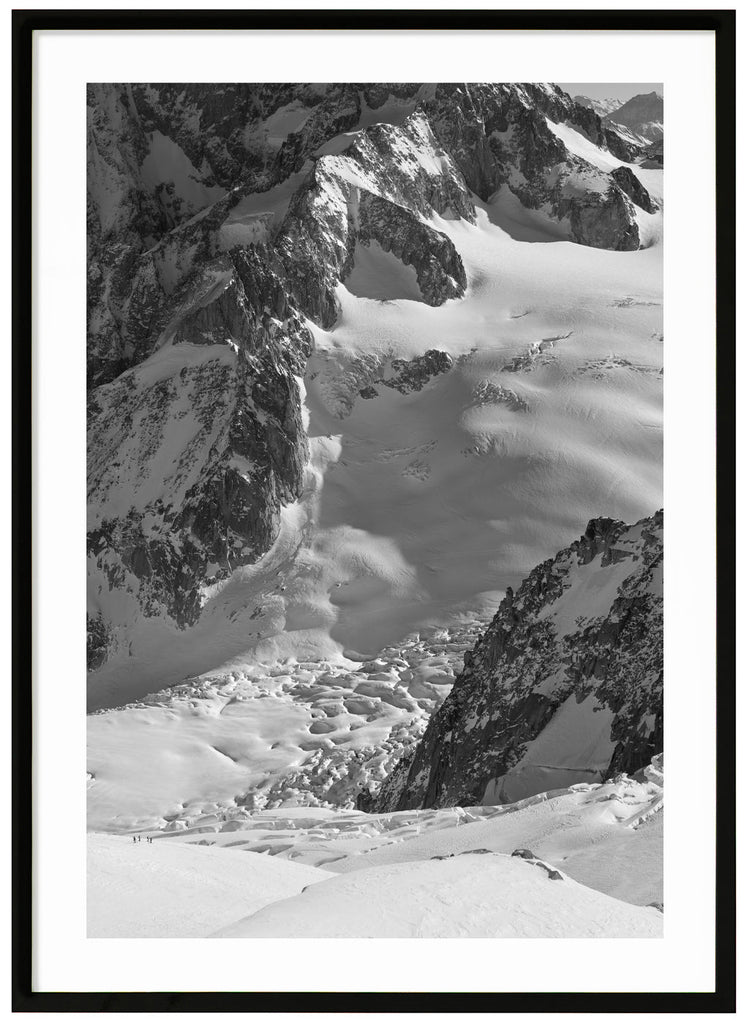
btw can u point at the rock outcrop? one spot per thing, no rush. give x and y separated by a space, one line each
193 452
408 375
565 685
499 135
626 180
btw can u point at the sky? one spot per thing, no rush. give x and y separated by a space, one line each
610 90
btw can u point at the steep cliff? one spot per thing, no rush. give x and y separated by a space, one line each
565 686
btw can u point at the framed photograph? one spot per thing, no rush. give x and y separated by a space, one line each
366 531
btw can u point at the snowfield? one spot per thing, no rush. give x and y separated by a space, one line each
594 859
471 896
151 890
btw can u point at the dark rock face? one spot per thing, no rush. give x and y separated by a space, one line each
413 374
219 218
178 512
410 375
97 641
438 266
633 189
653 155
604 221
333 211
622 146
537 657
499 135
241 459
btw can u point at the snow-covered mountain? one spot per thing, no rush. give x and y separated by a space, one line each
564 686
361 360
643 115
235 229
360 357
600 106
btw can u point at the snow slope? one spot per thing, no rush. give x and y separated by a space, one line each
593 868
607 836
460 488
469 896
168 890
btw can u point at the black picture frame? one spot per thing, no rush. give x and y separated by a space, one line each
723 999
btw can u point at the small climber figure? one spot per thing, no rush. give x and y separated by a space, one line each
134 839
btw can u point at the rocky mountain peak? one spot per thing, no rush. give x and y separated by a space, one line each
642 114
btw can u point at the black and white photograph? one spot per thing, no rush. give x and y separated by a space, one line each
375 510
373 500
